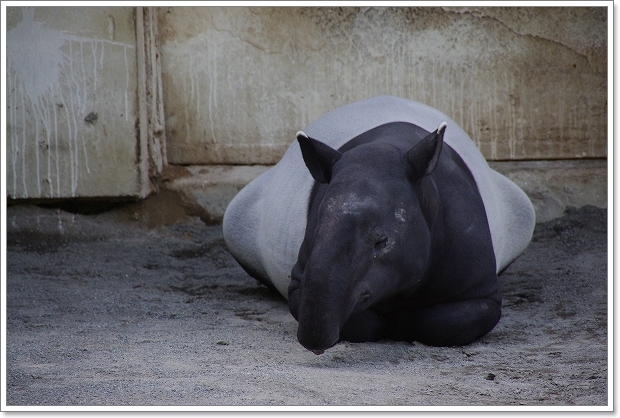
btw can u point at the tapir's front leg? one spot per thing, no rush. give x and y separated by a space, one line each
447 324
364 326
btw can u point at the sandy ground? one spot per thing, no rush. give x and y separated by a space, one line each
105 311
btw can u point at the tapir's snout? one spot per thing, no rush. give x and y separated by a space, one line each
317 349
316 339
319 310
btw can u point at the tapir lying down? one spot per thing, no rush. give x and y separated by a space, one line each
382 221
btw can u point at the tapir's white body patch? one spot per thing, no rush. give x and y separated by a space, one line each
264 224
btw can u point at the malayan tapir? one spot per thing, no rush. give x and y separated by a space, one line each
382 221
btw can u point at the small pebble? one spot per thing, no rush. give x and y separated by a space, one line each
490 376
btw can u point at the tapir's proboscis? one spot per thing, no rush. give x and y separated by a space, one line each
382 221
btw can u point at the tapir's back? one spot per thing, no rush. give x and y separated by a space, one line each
264 225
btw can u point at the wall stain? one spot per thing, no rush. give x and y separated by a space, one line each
240 82
52 77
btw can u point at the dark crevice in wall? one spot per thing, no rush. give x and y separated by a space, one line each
81 206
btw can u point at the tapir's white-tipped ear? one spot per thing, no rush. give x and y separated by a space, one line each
319 157
441 128
424 156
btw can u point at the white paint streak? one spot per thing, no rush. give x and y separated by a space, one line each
186 114
198 88
32 47
36 152
93 47
213 90
126 86
13 119
52 89
83 77
101 57
111 27
192 86
56 149
48 75
73 98
48 146
24 148
70 143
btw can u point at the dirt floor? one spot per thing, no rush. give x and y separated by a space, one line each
102 310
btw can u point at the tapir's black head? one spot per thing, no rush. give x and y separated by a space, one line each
369 239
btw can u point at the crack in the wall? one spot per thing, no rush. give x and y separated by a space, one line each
554 41
247 39
477 71
480 14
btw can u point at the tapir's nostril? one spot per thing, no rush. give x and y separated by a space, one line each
318 352
365 296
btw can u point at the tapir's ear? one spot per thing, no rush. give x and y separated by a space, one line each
424 155
319 157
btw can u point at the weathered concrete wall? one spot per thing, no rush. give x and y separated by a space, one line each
73 103
552 186
525 83
84 94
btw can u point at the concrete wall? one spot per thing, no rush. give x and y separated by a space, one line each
525 83
76 114
86 96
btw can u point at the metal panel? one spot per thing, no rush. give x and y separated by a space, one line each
73 105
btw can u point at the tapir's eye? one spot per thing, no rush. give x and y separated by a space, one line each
381 243
379 247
